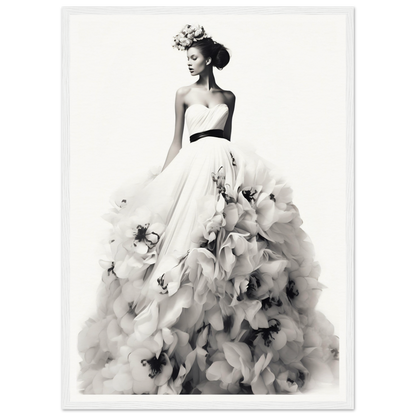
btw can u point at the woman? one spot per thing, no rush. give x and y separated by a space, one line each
210 286
205 91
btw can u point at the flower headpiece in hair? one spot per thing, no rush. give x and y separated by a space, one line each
183 40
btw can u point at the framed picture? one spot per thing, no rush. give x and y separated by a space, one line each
208 207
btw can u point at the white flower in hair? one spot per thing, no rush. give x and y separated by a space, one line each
189 34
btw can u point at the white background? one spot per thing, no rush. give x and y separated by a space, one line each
289 75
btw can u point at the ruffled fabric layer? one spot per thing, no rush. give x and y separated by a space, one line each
210 285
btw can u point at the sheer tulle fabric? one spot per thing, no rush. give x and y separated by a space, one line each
210 284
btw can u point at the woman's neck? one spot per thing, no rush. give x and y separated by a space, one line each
207 80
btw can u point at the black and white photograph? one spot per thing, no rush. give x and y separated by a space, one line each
209 168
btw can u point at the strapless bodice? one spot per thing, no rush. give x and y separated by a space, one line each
201 118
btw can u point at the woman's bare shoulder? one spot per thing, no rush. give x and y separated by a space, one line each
229 97
183 91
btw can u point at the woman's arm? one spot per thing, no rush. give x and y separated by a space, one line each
179 125
231 105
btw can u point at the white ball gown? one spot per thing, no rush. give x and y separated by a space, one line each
210 286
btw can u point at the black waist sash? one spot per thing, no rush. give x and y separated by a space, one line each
213 133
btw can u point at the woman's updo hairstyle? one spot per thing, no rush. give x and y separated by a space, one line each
195 36
214 50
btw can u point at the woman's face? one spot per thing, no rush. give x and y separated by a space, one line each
196 61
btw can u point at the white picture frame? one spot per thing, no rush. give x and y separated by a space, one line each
83 162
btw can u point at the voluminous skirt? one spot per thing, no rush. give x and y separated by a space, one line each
210 285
